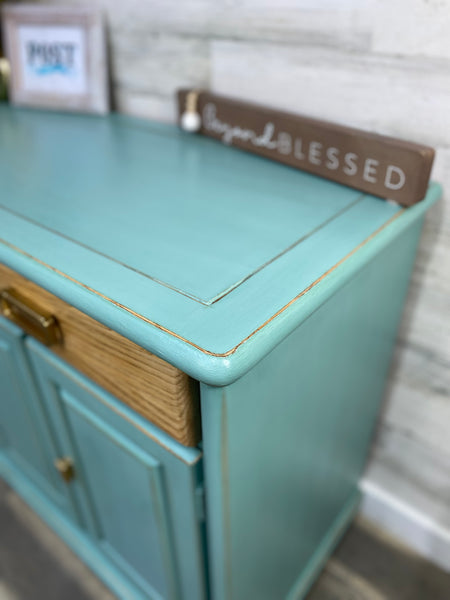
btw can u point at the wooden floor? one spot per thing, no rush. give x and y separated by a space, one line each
36 565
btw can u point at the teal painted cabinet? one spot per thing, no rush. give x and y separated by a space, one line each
277 292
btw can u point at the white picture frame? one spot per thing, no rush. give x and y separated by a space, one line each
57 57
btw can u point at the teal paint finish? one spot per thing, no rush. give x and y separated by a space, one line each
285 445
136 498
124 488
322 552
228 239
280 292
73 536
123 481
20 438
133 167
25 436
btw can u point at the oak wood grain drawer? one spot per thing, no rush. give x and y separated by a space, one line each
152 387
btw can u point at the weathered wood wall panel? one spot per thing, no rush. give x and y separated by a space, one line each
411 27
361 90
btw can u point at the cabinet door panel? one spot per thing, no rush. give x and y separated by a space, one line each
25 438
125 487
118 486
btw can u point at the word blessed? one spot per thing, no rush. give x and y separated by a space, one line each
314 152
52 57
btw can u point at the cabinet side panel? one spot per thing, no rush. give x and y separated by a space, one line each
285 445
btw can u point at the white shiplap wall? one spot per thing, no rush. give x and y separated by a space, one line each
382 65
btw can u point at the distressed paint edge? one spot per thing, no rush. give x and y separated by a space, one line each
218 369
180 337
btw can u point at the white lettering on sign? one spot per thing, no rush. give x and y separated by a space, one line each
284 143
333 161
298 149
313 152
350 164
370 170
264 139
400 175
314 155
230 132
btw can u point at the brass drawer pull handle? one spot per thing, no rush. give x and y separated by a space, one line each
65 468
33 320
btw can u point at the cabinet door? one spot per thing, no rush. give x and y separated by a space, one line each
25 442
119 484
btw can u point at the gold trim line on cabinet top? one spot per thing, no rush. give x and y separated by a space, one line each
180 337
219 295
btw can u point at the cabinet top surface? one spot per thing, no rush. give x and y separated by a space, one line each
186 246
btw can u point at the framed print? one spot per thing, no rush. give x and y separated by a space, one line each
57 57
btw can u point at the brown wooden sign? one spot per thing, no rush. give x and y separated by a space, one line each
376 164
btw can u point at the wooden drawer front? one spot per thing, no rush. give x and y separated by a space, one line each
153 388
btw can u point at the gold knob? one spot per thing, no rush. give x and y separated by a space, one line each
65 468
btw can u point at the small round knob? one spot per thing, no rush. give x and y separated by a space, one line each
191 121
64 466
